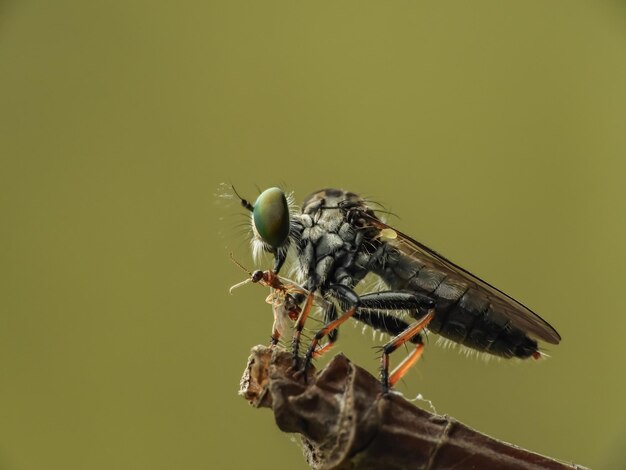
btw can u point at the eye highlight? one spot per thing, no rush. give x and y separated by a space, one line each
271 217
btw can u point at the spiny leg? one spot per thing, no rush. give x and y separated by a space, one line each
379 320
311 352
394 344
396 300
406 364
295 342
390 324
369 312
374 310
346 296
330 315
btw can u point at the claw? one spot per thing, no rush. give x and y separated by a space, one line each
384 381
301 375
305 367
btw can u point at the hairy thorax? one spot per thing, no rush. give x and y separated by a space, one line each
331 249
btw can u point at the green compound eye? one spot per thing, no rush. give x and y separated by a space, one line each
271 217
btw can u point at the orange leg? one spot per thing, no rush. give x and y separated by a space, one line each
323 350
394 344
405 365
323 332
295 342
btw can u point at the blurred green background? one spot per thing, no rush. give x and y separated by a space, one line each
496 130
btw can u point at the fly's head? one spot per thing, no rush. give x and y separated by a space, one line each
272 224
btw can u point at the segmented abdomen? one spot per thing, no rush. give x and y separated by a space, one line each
463 312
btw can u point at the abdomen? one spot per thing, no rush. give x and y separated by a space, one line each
463 313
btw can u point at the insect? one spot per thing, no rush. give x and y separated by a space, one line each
282 298
338 239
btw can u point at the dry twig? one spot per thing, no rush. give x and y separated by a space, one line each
345 422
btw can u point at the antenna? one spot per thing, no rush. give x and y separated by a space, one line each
242 283
245 203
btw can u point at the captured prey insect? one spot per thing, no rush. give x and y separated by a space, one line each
282 298
338 240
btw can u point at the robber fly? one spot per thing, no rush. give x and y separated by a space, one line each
338 240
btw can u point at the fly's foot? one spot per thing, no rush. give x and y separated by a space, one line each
296 363
295 351
384 382
307 363
302 373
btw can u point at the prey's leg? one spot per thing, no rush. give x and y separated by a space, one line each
274 338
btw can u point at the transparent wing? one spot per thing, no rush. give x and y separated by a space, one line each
519 315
